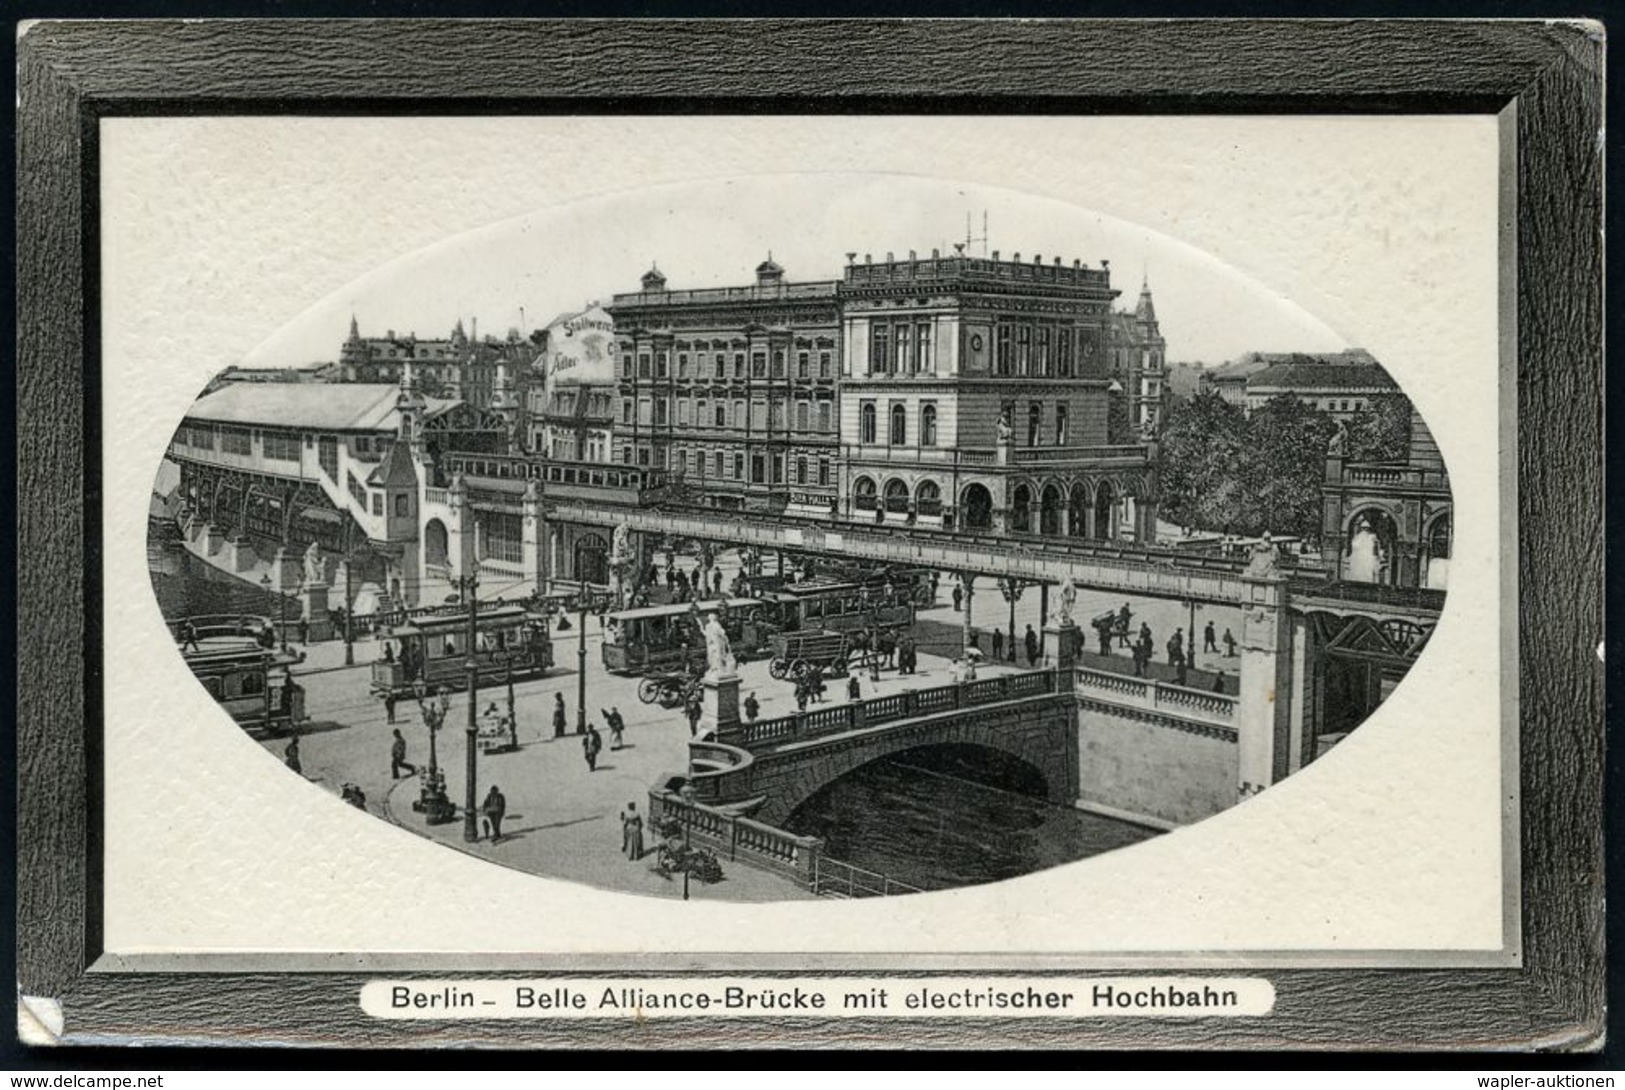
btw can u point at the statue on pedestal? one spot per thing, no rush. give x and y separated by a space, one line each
1069 598
1263 560
1338 445
315 570
719 656
1004 430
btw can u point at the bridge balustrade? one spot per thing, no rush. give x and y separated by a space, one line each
1156 695
740 838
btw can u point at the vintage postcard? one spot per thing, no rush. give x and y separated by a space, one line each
996 565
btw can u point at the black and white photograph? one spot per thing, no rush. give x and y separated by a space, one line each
998 546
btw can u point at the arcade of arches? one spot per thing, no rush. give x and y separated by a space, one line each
1100 510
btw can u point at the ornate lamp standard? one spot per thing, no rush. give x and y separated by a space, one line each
1012 589
581 636
466 585
433 801
359 553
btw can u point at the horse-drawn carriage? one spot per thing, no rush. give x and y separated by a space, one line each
669 690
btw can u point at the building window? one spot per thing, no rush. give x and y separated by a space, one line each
357 493
1024 336
739 467
778 363
778 469
896 496
660 412
236 441
803 365
643 365
503 538
719 465
824 365
643 456
626 455
377 504
802 416
280 448
863 494
722 414
701 416
898 434
662 362
739 365
905 354
1042 362
928 425
1002 352
823 472
682 413
645 410
928 498
626 411
403 505
327 453
823 416
801 471
740 419
878 363
776 414
758 364
866 424
1035 414
922 356
719 364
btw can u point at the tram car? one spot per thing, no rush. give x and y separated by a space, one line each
433 647
238 665
841 606
662 638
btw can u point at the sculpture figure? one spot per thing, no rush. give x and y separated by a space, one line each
1263 559
1338 445
1004 427
1069 597
315 570
719 656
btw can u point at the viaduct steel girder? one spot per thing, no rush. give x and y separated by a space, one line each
1143 578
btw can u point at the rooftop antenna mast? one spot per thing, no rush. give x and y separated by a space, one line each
971 239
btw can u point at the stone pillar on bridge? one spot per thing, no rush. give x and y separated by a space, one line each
719 708
460 529
1264 707
533 550
287 569
313 599
239 555
214 539
1064 637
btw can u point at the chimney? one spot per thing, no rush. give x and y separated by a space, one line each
391 334
995 255
1057 262
890 257
1076 263
1038 259
1017 257
934 253
866 259
912 256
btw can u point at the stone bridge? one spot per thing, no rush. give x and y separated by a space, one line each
782 762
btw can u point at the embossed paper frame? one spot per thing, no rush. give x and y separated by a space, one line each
1543 80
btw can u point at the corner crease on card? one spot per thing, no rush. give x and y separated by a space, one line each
39 1020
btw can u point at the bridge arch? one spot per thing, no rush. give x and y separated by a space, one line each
977 504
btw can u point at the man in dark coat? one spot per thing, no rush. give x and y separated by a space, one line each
592 744
998 643
753 708
1031 641
397 758
188 636
389 707
959 598
560 717
495 807
1209 643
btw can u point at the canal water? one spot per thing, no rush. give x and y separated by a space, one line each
951 816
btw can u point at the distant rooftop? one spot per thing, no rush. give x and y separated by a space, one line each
337 406
1317 375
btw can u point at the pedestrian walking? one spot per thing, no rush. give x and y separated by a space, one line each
290 756
853 690
632 832
592 744
1031 640
1218 683
1142 655
1209 643
936 580
304 630
753 707
998 643
1229 644
959 597
397 758
389 706
188 636
495 808
559 716
801 695
617 727
1176 647
693 711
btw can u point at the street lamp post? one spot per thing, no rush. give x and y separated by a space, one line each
513 720
467 586
581 639
1012 589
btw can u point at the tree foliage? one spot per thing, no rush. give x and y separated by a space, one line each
1222 469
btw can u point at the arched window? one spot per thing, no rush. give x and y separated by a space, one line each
866 425
1021 515
896 495
863 494
928 498
928 426
898 436
977 505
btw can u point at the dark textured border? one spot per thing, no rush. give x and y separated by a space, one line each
1543 77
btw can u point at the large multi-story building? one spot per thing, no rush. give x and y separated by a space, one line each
572 407
1340 389
732 390
459 367
974 394
1137 355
